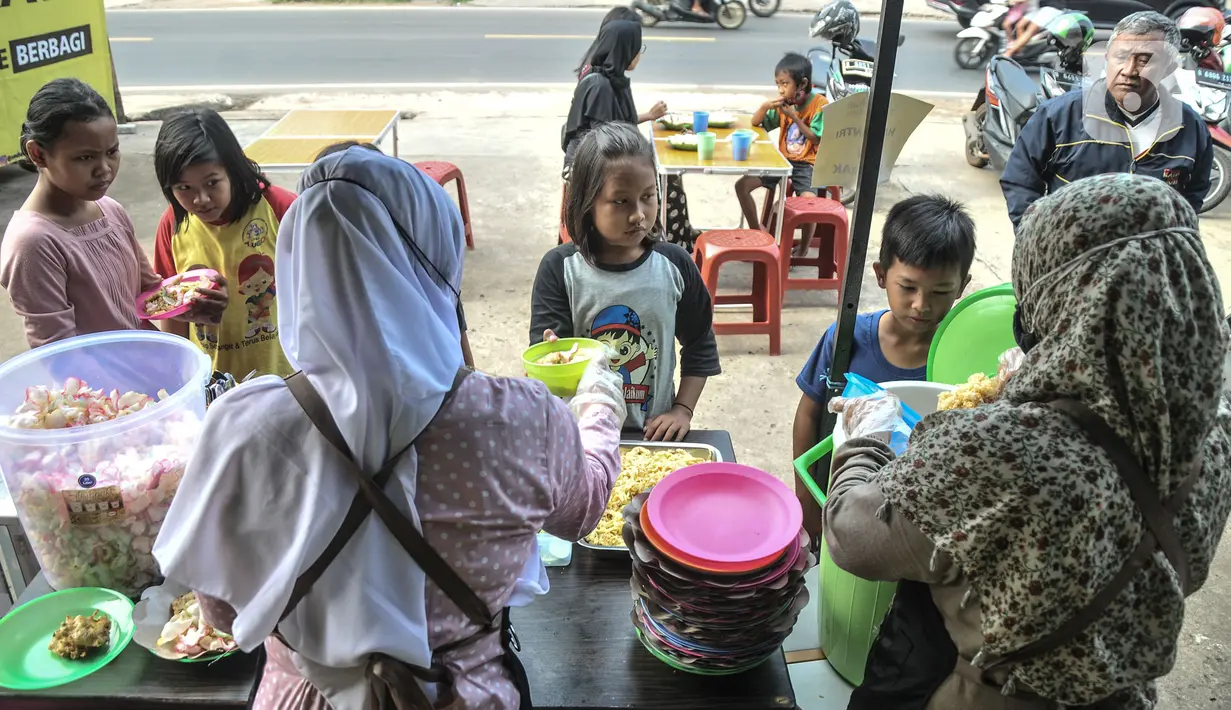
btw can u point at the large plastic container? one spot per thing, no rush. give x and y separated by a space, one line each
851 608
93 498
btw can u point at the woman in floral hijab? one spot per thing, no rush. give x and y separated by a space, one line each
1012 514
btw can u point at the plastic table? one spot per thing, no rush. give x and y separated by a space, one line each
295 140
764 160
578 646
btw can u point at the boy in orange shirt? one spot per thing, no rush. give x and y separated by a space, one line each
797 114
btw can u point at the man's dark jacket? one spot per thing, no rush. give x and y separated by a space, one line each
1067 139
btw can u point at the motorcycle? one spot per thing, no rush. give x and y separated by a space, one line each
984 38
962 10
1210 98
1004 105
840 70
727 14
764 8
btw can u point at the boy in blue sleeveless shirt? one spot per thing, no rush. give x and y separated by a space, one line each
927 247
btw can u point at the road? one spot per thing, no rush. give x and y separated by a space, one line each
284 46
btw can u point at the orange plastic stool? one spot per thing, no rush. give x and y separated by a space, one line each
444 173
719 246
832 239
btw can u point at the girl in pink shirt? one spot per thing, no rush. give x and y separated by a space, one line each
70 258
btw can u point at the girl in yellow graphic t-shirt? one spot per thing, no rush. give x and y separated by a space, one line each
223 215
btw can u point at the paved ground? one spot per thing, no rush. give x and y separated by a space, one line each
513 177
279 45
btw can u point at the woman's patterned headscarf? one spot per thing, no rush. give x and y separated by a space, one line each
1112 278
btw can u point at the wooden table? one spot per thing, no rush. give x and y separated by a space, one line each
764 160
578 647
295 140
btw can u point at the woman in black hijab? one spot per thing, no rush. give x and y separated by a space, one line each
603 95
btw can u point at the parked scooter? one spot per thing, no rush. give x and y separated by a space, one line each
727 14
1202 83
845 66
1212 104
1010 96
984 39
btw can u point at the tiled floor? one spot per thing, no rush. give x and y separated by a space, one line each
807 633
817 685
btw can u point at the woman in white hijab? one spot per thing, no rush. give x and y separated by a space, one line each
369 266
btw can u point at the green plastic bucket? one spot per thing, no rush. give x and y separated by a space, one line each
973 336
851 608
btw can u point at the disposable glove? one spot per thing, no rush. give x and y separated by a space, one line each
877 416
599 388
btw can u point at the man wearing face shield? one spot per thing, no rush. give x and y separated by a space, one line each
1127 122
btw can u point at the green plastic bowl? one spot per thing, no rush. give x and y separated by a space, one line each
973 336
561 380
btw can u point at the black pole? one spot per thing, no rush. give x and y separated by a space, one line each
865 203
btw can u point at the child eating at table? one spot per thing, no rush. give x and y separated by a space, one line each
223 214
70 261
927 247
618 283
796 113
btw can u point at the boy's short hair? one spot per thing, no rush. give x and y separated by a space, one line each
796 66
928 231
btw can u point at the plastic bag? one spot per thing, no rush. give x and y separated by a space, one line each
1011 361
876 413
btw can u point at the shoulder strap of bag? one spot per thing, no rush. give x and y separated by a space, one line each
1159 532
371 496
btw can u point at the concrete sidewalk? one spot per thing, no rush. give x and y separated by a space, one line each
513 177
917 9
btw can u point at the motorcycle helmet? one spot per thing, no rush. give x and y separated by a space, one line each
1201 27
1072 33
837 21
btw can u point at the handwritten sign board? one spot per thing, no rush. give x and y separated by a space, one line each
839 152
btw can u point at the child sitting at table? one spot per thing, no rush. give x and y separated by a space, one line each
797 114
927 247
222 214
619 283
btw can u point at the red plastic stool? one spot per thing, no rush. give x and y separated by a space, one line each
718 246
444 173
832 240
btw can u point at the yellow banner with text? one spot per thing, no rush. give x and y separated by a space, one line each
41 40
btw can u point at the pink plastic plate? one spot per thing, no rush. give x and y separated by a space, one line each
186 277
724 512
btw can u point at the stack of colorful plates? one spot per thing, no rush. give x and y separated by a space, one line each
718 567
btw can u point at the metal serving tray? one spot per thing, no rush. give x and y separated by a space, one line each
701 451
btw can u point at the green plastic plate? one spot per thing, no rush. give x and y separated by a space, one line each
25 661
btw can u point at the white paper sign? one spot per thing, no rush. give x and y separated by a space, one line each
840 149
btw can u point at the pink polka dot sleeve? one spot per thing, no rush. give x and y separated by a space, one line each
581 470
216 612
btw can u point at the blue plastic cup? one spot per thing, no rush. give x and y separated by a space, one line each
700 121
741 144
